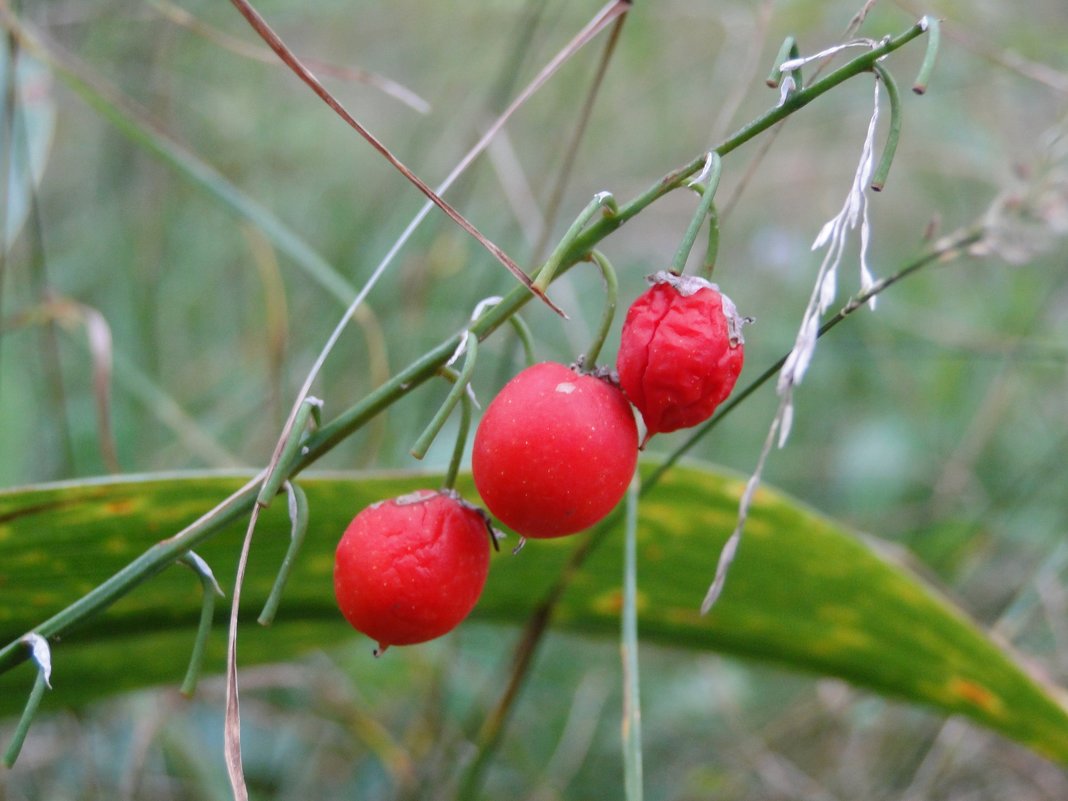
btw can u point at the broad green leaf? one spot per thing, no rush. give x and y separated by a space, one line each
803 592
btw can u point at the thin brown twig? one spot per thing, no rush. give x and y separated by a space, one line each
179 16
232 722
274 41
552 207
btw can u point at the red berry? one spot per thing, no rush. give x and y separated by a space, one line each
410 569
554 451
680 353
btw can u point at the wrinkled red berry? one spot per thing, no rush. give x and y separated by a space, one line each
410 569
554 451
680 353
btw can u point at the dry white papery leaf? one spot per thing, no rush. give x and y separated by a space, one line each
834 236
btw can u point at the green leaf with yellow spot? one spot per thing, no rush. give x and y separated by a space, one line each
803 592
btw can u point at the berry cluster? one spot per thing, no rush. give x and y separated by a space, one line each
553 455
556 448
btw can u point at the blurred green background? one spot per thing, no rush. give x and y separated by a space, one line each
937 422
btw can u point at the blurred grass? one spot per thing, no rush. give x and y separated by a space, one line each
936 422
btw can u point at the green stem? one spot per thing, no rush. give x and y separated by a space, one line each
164 553
632 730
712 250
209 587
601 201
277 477
786 52
704 207
859 65
894 133
611 299
298 520
459 388
152 562
934 36
28 713
461 443
526 338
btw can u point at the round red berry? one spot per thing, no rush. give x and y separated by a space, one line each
410 569
680 353
554 451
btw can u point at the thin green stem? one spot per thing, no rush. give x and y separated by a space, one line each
934 37
209 588
277 477
786 52
673 180
459 388
712 249
461 443
153 561
565 172
632 715
860 64
704 206
526 338
894 133
298 527
611 299
602 202
28 713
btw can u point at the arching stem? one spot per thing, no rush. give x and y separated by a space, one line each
713 168
611 297
422 445
787 52
601 201
894 133
526 338
309 408
210 589
934 36
298 520
41 654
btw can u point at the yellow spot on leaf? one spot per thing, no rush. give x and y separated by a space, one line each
123 506
977 695
611 603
